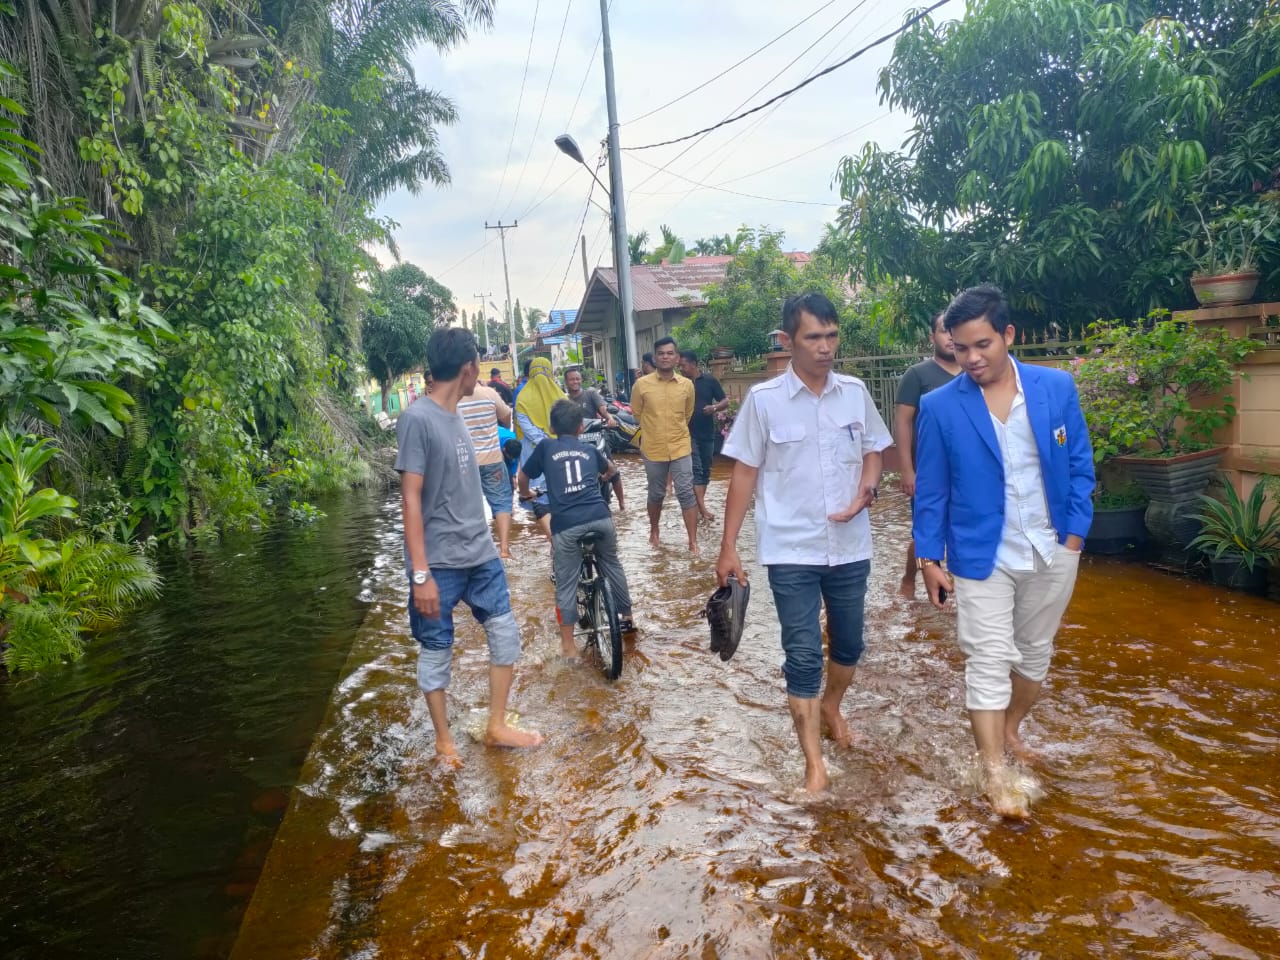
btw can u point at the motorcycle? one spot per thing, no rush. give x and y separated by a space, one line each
596 433
624 437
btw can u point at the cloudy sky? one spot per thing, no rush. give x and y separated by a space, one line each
506 166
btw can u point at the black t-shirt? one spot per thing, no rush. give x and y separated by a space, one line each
572 471
917 381
706 391
503 391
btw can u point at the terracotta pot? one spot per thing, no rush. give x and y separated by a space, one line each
1225 289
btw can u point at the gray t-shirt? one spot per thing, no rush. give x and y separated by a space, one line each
590 402
436 444
920 379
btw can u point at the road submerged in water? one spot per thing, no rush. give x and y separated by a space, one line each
663 817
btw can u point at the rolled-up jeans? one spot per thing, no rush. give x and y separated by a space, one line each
799 590
566 560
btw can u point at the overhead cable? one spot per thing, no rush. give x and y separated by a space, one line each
739 193
515 123
689 93
804 83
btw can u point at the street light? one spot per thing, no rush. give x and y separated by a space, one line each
618 216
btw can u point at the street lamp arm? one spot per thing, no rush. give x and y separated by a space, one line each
569 147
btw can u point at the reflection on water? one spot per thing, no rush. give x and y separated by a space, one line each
141 787
661 819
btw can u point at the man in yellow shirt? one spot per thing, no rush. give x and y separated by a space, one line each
663 403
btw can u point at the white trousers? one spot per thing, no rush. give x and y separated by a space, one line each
1006 623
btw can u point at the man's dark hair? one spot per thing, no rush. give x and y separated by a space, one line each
647 358
495 372
449 350
511 450
657 344
986 300
814 304
525 369
939 322
566 418
689 355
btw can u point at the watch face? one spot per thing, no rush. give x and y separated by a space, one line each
419 576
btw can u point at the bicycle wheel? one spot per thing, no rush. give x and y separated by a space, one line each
605 630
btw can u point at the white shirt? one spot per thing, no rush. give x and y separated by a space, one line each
808 449
1027 529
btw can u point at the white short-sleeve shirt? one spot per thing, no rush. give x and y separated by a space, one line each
808 449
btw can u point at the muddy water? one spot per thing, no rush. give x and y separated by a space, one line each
662 817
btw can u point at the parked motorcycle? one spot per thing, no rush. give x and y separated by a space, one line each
596 433
622 438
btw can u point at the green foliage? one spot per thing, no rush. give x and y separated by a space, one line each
52 590
69 325
407 306
1160 388
1230 242
1058 148
1236 527
743 308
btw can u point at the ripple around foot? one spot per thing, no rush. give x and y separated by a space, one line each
662 819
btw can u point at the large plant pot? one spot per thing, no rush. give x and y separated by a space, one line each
1174 485
1273 583
1117 529
1225 289
1229 571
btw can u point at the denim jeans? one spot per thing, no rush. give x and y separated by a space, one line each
704 451
799 590
484 590
495 482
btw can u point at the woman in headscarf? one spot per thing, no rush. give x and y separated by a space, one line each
533 424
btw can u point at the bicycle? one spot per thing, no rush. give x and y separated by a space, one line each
597 612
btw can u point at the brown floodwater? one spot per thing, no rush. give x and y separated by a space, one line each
662 817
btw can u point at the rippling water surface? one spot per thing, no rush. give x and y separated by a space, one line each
662 818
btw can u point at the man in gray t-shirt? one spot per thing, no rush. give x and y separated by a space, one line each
593 405
449 554
936 371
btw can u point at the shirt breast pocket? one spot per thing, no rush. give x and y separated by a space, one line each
786 447
848 443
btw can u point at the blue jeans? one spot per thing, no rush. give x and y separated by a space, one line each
798 593
484 590
495 482
704 451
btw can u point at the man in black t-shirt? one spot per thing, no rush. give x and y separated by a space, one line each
936 371
572 471
708 400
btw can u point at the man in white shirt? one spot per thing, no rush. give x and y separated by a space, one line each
808 446
1003 489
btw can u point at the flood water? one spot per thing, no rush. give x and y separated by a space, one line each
141 787
662 817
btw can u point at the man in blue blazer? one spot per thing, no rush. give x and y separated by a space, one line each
1003 493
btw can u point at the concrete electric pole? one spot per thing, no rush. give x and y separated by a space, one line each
502 229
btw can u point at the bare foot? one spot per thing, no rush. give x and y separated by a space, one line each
907 590
505 736
505 555
835 726
1008 796
816 781
708 516
653 538
1019 750
447 754
693 547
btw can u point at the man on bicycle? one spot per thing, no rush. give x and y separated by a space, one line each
572 471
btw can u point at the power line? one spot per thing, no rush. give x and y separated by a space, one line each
555 60
738 193
689 93
515 123
747 98
804 83
450 269
586 208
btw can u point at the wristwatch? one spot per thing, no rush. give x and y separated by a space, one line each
421 576
925 562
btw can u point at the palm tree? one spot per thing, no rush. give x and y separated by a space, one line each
636 247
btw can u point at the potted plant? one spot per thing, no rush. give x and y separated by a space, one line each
1154 394
1225 263
1119 509
1240 543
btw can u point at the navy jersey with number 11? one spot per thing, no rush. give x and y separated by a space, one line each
572 471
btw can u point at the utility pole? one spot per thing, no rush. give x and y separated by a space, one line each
502 229
484 324
621 251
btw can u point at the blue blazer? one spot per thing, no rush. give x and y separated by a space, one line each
959 505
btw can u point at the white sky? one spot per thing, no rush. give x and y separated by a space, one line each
661 48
